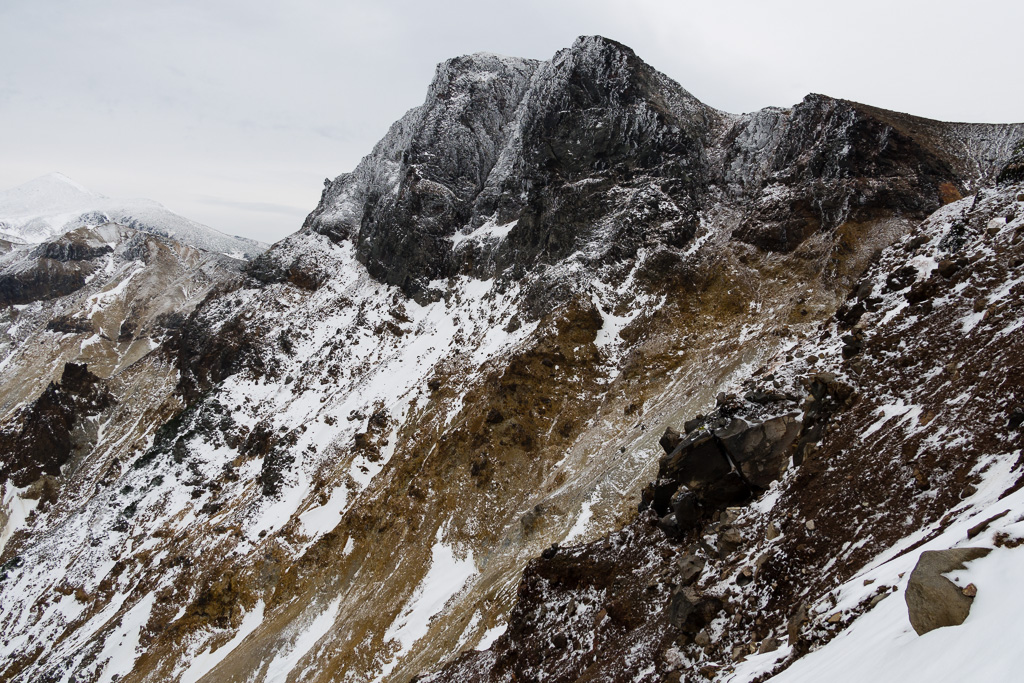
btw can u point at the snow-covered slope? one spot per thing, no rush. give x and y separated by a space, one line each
52 205
335 465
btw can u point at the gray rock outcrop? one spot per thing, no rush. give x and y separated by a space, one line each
933 601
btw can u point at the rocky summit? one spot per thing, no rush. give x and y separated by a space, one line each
572 378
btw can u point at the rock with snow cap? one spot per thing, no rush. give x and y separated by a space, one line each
933 601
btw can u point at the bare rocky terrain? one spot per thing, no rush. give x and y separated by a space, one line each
572 378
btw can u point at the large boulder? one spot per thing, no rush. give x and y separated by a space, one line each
933 601
761 451
697 462
690 611
723 461
669 440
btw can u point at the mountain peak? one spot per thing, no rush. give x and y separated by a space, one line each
53 191
596 42
467 73
54 204
58 179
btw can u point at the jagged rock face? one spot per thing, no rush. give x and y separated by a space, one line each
596 152
598 122
1013 171
427 172
539 144
884 466
53 269
469 353
827 162
46 440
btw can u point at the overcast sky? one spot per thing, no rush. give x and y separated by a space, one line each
233 112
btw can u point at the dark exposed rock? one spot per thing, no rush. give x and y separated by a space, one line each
697 463
690 566
711 468
686 507
69 325
46 279
690 612
669 524
69 249
825 188
761 450
266 269
1013 171
670 439
690 425
921 291
852 343
657 495
981 526
208 353
900 279
45 441
274 470
729 541
933 601
826 397
769 644
947 268
795 623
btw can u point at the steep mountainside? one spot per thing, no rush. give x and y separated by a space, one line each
87 362
47 207
470 352
806 497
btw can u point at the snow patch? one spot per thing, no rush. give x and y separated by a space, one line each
204 662
447 577
15 511
489 231
491 635
285 661
580 527
320 520
121 648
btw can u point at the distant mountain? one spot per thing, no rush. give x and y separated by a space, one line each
54 204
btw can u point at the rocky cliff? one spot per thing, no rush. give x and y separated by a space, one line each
470 352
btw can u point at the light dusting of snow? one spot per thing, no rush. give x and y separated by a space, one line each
300 645
204 662
447 577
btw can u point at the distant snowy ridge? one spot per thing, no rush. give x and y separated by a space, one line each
54 204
